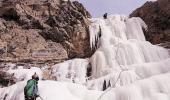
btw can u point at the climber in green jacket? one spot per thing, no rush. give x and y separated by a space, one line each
31 89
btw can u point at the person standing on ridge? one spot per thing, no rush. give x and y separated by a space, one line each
105 16
31 89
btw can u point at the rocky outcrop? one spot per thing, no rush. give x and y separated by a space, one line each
43 30
6 79
157 17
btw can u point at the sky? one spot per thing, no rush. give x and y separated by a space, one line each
98 7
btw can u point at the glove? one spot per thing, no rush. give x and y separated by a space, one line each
36 95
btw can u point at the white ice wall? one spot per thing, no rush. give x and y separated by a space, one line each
122 42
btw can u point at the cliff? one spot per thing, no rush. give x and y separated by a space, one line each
43 30
157 17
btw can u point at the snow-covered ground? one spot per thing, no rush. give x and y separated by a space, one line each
125 64
153 88
25 74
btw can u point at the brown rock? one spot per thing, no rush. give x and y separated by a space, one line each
157 17
43 30
6 79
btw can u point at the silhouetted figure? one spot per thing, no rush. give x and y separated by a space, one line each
109 84
104 85
100 31
105 16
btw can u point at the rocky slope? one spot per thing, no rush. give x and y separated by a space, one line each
157 17
43 30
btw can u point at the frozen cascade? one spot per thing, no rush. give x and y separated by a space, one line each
124 60
71 71
121 43
143 71
134 28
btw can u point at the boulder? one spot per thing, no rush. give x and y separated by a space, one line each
6 79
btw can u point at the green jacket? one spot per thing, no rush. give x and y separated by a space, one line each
31 89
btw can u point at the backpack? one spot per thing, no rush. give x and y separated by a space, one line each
31 89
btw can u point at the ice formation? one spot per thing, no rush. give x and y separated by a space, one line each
153 88
122 45
71 71
25 74
124 64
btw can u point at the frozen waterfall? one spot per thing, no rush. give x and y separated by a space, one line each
121 44
124 64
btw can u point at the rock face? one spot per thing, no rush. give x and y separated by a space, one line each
6 79
43 30
157 17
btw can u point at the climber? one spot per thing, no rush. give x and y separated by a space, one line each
100 31
31 89
105 16
104 85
